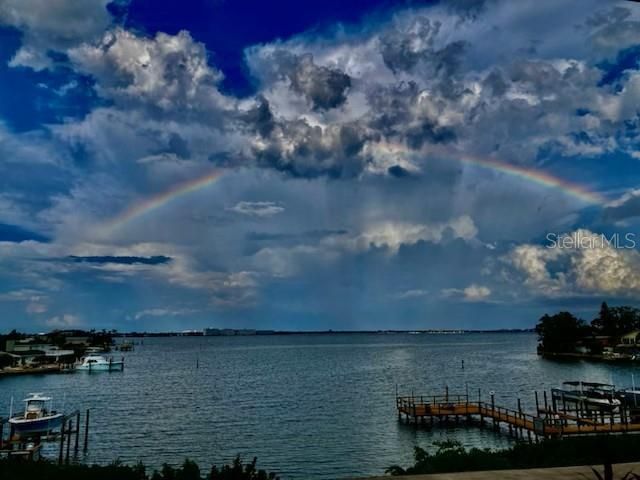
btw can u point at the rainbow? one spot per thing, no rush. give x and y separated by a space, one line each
530 175
527 174
160 200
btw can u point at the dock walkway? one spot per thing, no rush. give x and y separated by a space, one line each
549 422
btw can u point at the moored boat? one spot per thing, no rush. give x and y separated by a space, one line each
588 395
97 363
36 418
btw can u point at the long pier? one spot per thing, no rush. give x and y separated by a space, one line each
557 419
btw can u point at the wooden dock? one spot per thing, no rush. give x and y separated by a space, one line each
29 447
550 421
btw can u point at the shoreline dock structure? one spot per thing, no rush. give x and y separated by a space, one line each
29 447
557 415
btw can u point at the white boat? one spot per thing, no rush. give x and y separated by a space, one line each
588 395
97 363
36 418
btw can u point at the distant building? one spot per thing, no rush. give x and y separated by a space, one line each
229 332
78 340
245 332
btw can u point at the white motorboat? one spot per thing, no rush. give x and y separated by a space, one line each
36 418
97 363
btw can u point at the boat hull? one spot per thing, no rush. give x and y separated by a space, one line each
22 427
102 367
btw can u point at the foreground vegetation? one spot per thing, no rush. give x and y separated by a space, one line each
44 470
450 456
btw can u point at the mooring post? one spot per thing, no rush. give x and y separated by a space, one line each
69 430
446 393
77 432
537 403
493 409
546 406
86 431
520 416
61 451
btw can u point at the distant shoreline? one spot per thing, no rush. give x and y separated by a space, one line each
250 333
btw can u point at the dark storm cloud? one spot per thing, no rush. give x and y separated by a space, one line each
178 145
121 260
14 233
398 172
615 29
308 235
496 83
626 207
303 150
402 50
393 114
324 87
260 118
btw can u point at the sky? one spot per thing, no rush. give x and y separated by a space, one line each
347 165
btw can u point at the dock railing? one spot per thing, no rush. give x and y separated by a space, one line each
548 421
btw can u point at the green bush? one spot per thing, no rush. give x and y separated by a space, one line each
45 470
450 456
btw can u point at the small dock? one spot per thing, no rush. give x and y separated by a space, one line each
30 447
554 419
39 370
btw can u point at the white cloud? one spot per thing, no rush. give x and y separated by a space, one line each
164 312
409 294
34 308
52 25
472 293
169 72
584 265
66 320
392 235
257 209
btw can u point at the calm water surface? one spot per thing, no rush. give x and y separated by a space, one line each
308 406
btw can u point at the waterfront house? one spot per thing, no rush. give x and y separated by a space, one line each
631 338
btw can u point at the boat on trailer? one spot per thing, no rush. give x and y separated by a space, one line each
36 419
98 363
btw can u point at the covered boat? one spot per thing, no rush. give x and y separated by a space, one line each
588 395
97 363
36 418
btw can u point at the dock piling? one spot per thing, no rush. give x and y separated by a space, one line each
75 447
61 450
86 431
69 430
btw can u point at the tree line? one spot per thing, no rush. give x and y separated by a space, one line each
562 331
11 468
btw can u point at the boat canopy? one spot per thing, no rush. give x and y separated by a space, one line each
36 397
